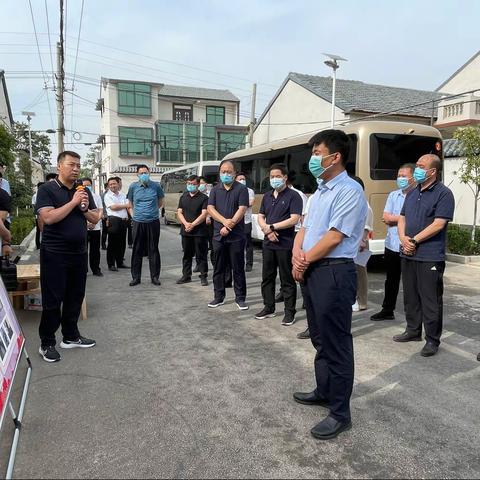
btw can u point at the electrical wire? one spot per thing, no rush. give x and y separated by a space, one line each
49 42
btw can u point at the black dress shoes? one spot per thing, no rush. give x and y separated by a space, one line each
134 282
156 281
429 350
383 315
407 337
310 398
113 269
329 428
304 335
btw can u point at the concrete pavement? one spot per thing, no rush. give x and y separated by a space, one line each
174 389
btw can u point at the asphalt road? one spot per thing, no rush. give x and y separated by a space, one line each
174 389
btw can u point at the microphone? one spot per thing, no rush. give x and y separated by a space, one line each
79 187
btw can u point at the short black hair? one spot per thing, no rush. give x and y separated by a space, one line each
280 166
51 176
239 174
39 184
110 179
200 178
192 178
410 166
359 180
223 162
86 179
61 156
118 179
334 140
142 166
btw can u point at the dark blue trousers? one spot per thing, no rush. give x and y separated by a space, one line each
229 255
330 292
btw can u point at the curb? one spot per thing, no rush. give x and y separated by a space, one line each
464 259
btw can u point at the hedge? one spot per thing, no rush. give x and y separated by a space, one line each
459 240
21 225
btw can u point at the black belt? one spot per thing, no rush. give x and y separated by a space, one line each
333 261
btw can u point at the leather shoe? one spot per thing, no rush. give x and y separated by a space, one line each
383 315
113 269
183 280
329 428
204 282
134 282
304 335
407 337
156 281
429 350
310 398
98 273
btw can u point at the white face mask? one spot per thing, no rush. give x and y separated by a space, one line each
243 182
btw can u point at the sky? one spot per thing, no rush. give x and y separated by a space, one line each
224 44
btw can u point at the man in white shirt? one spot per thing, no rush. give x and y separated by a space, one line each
4 184
94 232
116 204
241 178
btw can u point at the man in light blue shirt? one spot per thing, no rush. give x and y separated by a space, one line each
323 255
393 207
146 198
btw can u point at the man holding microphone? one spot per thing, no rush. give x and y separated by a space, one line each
64 208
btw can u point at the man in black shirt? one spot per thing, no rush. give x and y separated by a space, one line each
64 208
280 211
227 205
192 213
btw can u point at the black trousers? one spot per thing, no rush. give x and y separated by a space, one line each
94 249
210 242
198 247
229 255
393 266
423 297
330 292
38 234
104 233
248 244
129 232
145 244
62 278
117 231
280 260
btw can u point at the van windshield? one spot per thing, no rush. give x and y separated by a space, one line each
388 152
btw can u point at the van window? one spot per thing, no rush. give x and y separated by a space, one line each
210 173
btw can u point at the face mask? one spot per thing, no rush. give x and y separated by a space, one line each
226 178
191 188
202 187
89 187
144 177
420 175
315 165
402 182
243 182
277 183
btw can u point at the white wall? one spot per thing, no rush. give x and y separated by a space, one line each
467 79
462 193
295 104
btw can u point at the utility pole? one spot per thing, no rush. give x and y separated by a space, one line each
201 143
29 118
60 106
252 116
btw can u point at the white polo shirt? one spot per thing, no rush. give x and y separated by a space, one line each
119 198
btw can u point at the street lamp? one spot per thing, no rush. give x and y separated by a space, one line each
29 118
333 64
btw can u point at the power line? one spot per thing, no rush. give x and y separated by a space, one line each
49 42
78 44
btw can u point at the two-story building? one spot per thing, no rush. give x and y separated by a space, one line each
164 126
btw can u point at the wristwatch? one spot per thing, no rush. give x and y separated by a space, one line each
412 240
272 228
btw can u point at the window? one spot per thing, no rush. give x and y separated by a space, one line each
135 142
134 99
182 113
388 152
230 142
216 115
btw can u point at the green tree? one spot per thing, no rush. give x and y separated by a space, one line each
469 138
91 162
40 144
7 146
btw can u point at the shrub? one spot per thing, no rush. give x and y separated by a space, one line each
459 240
21 226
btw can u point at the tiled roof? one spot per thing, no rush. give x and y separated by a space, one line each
197 92
353 95
452 148
133 169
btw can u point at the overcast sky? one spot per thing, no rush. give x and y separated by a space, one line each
228 44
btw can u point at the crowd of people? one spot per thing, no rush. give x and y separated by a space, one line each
314 244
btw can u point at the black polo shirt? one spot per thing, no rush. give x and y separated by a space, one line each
287 203
420 209
226 202
192 207
70 234
5 201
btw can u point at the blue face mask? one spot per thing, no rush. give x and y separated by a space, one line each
277 183
420 175
191 188
202 187
89 187
226 178
144 177
402 182
315 165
